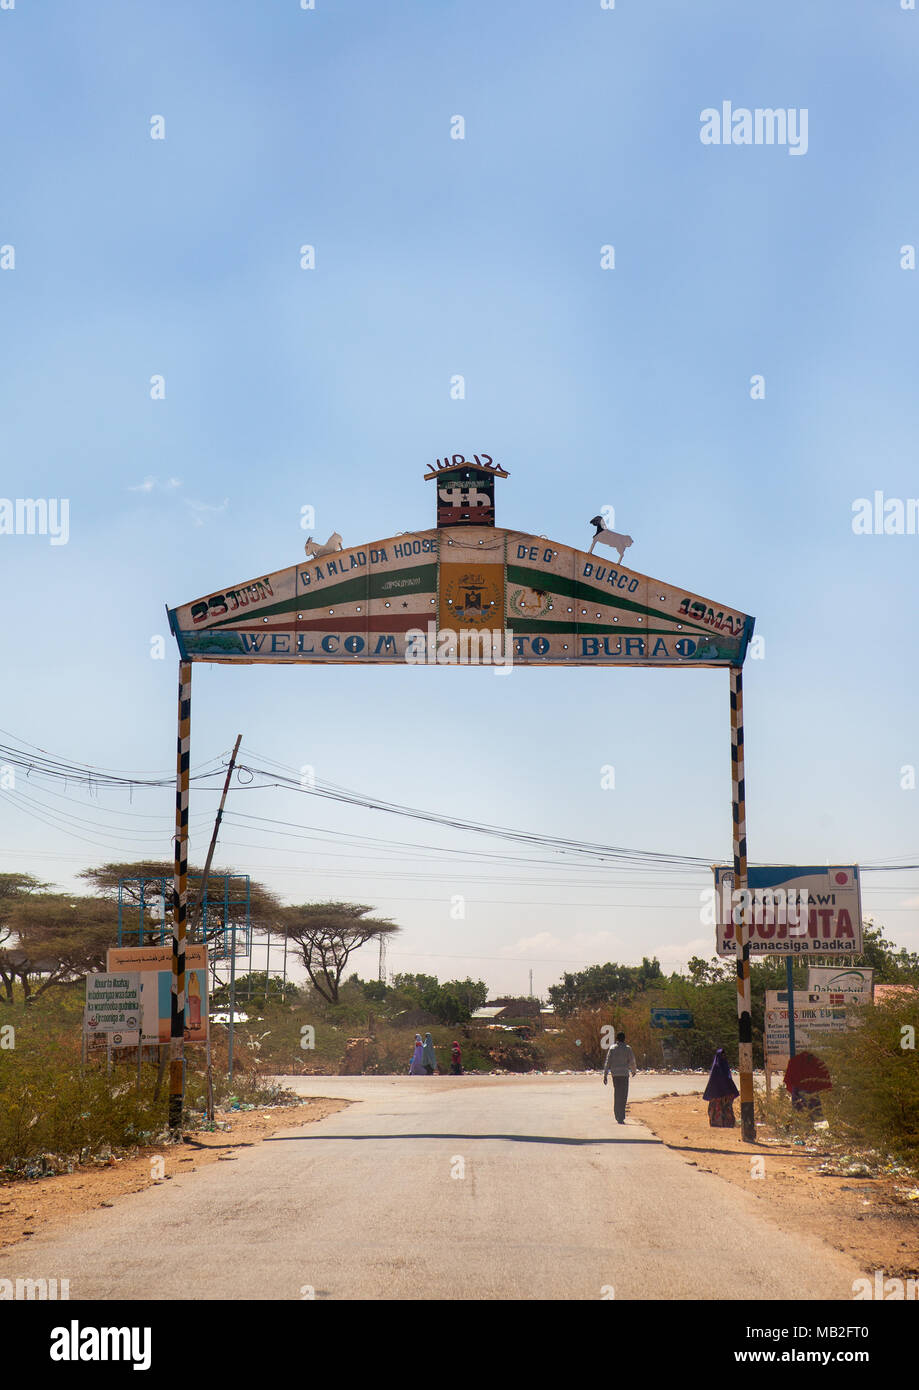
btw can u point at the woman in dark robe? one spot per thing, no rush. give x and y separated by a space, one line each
720 1093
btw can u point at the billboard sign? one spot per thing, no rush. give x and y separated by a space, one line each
847 984
814 1013
671 1018
154 963
408 598
792 910
113 1002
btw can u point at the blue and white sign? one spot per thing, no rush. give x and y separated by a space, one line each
671 1018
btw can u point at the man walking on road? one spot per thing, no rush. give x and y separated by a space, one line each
620 1062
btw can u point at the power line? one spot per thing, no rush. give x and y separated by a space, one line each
43 764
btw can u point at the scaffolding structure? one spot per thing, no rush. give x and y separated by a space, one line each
223 924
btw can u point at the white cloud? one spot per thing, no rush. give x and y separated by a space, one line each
575 947
206 507
151 484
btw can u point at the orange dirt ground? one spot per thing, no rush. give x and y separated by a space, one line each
870 1219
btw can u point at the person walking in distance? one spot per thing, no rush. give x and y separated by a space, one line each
416 1066
429 1056
620 1064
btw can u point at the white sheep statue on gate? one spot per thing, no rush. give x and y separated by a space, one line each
313 550
614 539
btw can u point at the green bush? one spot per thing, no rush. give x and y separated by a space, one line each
49 1107
53 1105
875 1095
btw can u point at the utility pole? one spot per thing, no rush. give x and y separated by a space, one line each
202 887
180 892
199 900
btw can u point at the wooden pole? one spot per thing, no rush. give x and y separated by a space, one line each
741 917
196 914
202 887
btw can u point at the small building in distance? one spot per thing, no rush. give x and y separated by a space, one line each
519 1014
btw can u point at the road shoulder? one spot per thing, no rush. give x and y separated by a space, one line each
40 1205
868 1219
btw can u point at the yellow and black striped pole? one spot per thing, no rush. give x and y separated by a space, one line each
739 913
180 903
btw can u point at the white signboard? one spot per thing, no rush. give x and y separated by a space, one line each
792 910
848 984
814 1014
112 1003
154 965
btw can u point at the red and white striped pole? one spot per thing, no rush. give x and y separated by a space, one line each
739 913
180 903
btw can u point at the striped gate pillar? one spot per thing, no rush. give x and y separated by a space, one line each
740 911
180 902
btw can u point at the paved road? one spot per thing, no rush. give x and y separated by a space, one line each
491 1187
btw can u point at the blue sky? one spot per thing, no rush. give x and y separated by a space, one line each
331 388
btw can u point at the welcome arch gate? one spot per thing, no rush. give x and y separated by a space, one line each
466 590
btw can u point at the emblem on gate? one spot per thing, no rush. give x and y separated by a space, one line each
529 603
466 489
472 597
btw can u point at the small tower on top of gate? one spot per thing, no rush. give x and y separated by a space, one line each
466 489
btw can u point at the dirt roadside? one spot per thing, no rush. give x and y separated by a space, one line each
30 1205
867 1218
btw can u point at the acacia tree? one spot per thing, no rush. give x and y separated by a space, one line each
450 1002
602 984
325 935
60 937
263 906
13 888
